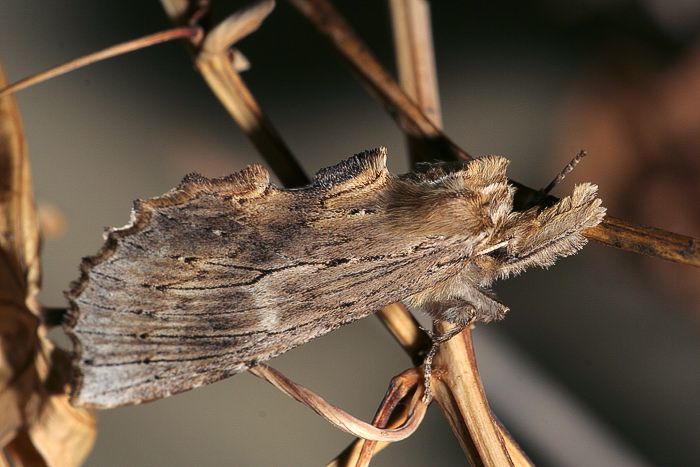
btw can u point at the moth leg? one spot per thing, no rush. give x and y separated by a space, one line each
473 304
437 341
457 311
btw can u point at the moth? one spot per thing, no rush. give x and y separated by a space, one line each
220 274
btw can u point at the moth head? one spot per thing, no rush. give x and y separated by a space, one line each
539 236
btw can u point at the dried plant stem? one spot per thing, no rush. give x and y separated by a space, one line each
413 45
214 60
648 241
338 417
228 86
612 231
461 397
405 329
192 33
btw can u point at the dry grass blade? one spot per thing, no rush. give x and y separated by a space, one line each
19 234
400 386
338 417
614 232
413 41
413 44
120 49
37 426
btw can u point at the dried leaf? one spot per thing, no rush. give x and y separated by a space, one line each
19 236
38 426
19 273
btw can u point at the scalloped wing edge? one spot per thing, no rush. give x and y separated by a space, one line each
251 182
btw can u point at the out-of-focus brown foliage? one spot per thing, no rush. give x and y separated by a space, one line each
37 424
642 130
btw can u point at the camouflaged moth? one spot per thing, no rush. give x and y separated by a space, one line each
220 274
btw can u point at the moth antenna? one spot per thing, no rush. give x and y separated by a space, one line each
539 196
187 32
564 172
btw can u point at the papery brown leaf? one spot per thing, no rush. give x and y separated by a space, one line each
19 273
19 236
37 426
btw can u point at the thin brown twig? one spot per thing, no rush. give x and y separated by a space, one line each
612 231
188 32
338 417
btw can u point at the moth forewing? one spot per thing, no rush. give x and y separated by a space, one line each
218 275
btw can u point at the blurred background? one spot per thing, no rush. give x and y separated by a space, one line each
597 362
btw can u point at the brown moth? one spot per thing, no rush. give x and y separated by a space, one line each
220 274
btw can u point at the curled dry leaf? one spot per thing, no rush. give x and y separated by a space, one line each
37 426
